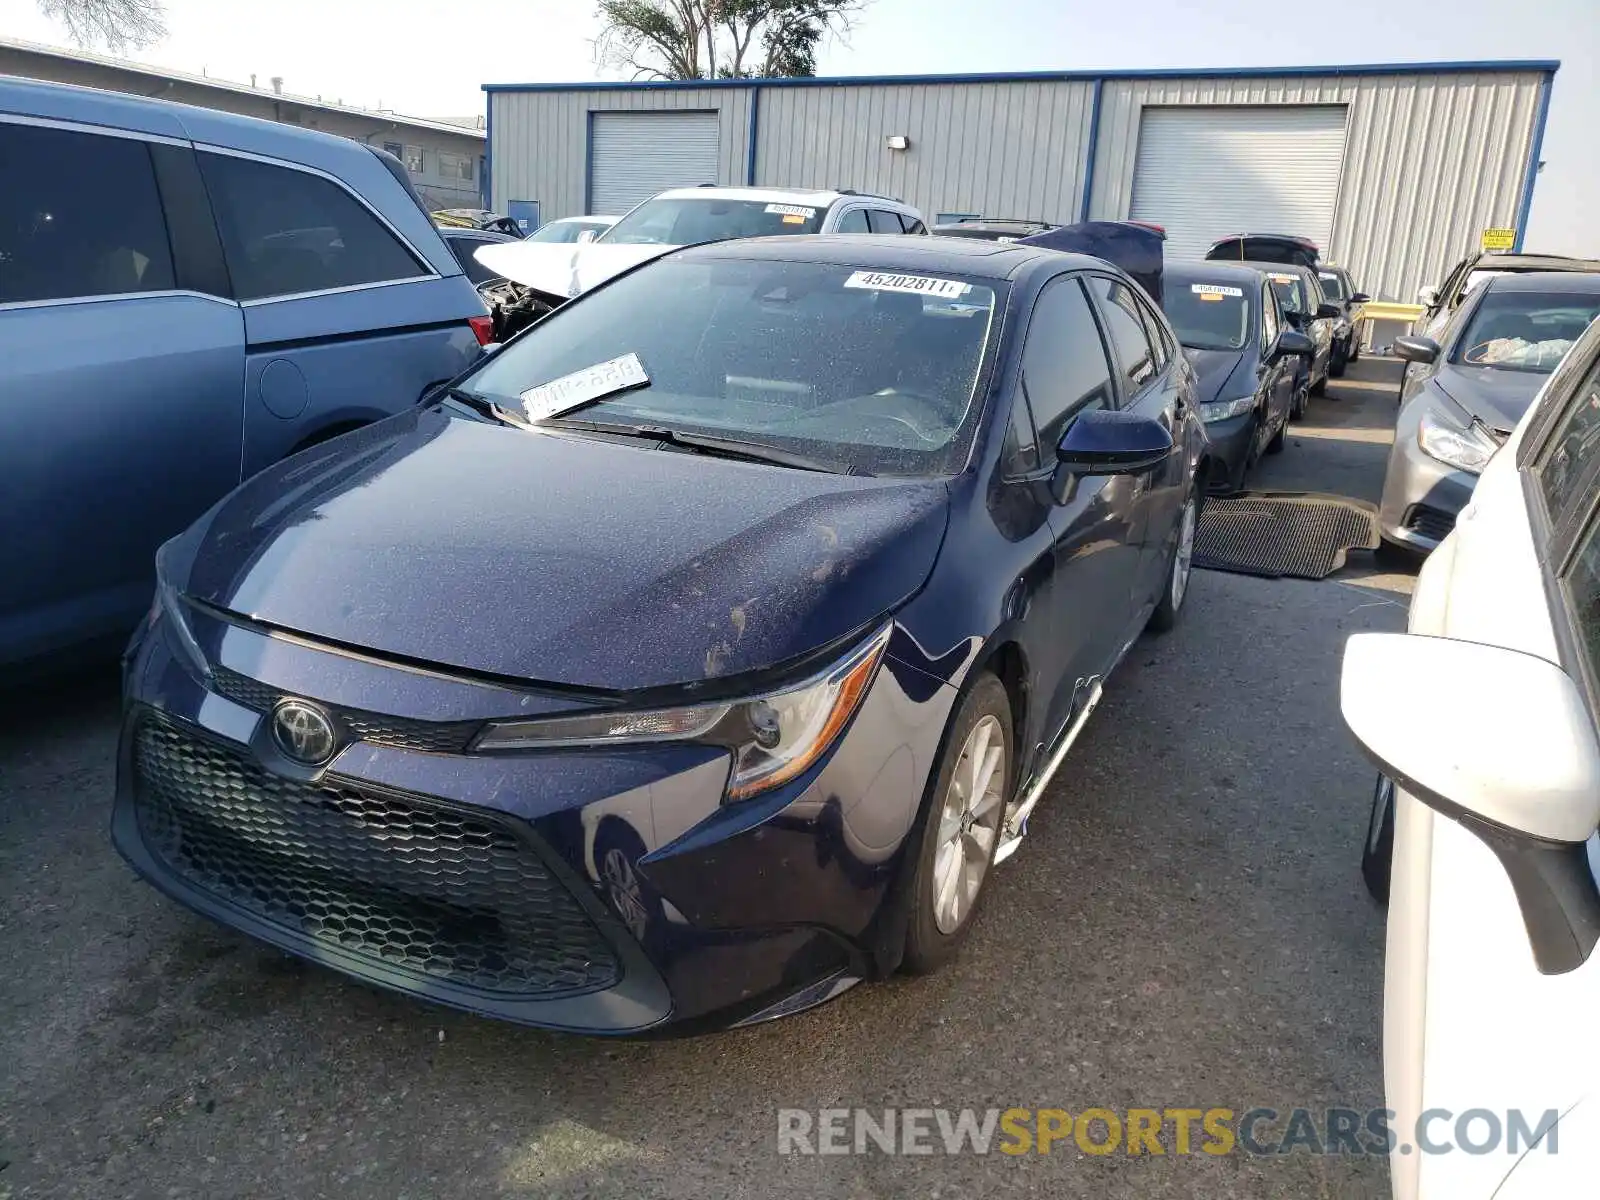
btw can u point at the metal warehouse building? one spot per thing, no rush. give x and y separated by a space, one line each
1394 170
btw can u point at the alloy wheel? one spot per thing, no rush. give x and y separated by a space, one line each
1184 556
969 823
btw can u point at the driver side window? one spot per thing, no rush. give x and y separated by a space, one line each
1269 319
854 221
1065 369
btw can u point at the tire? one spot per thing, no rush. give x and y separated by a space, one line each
1337 361
1320 387
1179 567
1355 350
1398 556
1377 853
1297 410
956 823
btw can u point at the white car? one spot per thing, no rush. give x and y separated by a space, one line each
1484 716
690 216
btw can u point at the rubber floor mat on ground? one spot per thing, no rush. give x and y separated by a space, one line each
1304 535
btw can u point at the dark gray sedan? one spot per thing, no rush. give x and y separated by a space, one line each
1245 357
1465 393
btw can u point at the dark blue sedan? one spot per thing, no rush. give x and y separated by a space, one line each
693 659
1245 356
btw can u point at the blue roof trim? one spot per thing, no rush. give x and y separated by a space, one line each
1532 174
1330 69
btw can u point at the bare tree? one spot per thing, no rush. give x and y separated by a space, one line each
727 39
116 24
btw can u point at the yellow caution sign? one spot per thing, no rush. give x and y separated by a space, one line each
1499 239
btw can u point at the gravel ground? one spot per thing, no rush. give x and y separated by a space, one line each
1184 928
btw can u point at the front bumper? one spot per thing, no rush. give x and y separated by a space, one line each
608 892
1421 495
1233 445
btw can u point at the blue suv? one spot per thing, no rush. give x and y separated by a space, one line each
187 296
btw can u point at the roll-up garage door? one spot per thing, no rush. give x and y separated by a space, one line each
1204 172
634 155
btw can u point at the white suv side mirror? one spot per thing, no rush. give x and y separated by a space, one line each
1501 742
1427 295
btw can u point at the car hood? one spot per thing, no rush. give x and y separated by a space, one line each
564 269
558 559
1496 397
1213 369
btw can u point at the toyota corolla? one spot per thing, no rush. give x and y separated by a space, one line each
695 657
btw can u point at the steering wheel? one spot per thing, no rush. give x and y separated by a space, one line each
1475 354
929 406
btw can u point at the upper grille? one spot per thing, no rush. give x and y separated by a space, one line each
438 737
441 892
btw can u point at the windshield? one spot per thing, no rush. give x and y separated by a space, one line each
1208 316
870 370
1291 293
1525 331
563 231
690 220
1333 286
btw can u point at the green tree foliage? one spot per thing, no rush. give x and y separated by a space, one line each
719 39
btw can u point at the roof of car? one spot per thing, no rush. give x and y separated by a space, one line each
468 233
1547 281
1273 268
1215 272
1534 262
962 256
817 197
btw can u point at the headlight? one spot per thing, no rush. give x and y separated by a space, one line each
1221 410
170 604
773 737
1468 449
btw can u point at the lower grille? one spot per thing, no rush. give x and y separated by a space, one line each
439 737
442 893
1429 522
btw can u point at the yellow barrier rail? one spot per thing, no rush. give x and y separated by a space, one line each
1388 310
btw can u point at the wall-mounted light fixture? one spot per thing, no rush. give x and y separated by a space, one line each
899 141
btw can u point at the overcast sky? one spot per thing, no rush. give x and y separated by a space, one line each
430 59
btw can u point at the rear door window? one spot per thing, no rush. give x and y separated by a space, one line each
1120 310
286 232
884 222
80 215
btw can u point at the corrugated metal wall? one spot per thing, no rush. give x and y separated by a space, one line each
1004 149
1430 160
540 139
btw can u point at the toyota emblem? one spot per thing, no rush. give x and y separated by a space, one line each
303 732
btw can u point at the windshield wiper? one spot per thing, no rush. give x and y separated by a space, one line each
721 447
481 402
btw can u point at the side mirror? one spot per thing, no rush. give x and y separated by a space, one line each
1329 312
1359 298
1428 296
1292 341
1106 441
1416 349
1499 741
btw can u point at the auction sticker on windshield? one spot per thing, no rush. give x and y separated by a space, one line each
1215 289
916 285
564 394
791 210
